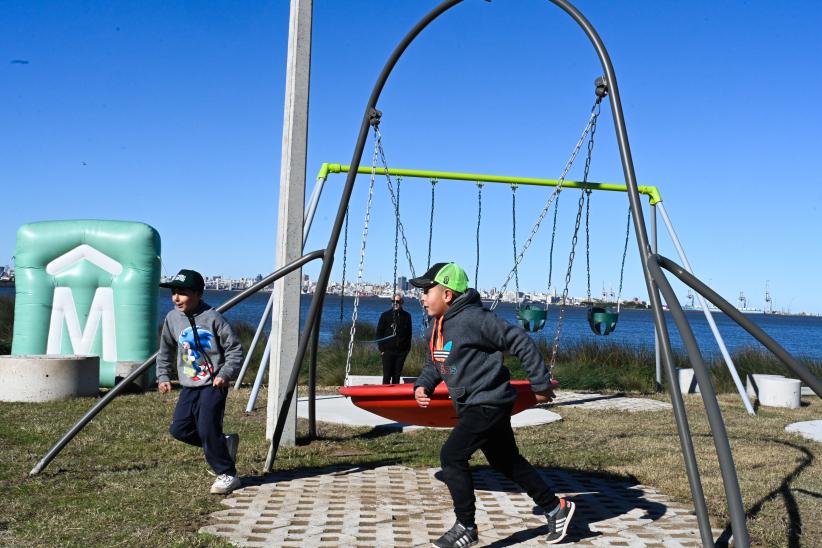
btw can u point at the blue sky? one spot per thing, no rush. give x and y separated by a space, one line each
170 113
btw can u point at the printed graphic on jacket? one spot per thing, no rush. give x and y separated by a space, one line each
439 350
195 366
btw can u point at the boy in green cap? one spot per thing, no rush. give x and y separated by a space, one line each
466 352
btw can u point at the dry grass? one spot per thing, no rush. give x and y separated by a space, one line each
125 482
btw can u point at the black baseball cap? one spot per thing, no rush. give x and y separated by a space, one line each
451 275
188 279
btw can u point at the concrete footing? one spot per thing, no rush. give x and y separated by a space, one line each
48 378
687 381
775 390
753 380
124 369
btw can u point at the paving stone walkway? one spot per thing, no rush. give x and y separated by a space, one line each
405 507
588 400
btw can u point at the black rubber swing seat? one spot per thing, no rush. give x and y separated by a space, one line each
602 321
531 319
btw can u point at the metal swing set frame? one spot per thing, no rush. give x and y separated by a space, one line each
654 267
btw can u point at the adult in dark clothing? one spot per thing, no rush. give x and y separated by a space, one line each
394 336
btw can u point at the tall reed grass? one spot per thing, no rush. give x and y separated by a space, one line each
582 366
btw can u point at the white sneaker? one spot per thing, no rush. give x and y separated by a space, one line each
224 484
232 441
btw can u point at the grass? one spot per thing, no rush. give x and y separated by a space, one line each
124 482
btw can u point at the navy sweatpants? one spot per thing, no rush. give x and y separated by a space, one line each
198 420
487 428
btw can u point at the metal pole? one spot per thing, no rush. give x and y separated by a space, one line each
312 376
312 206
258 380
307 220
651 191
114 392
657 357
736 509
253 347
784 356
686 442
325 271
639 223
285 324
708 315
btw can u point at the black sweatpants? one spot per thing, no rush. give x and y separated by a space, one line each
392 363
198 420
487 428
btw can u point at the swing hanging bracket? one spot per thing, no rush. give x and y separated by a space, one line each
374 117
601 87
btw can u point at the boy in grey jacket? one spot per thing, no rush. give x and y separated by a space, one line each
200 344
466 345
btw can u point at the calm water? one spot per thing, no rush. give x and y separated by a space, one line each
800 335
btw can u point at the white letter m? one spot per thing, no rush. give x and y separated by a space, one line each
102 308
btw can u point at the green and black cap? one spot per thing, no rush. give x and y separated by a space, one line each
187 279
450 275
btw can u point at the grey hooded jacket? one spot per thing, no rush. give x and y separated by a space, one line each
178 347
469 355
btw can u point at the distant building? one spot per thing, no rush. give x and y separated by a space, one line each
402 283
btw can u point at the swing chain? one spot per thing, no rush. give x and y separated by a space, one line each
547 206
582 201
379 149
601 91
514 240
555 348
587 194
479 221
361 268
431 221
394 200
624 254
345 257
394 310
553 239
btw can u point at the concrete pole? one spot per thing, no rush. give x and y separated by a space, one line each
285 323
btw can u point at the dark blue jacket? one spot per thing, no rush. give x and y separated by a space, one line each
466 351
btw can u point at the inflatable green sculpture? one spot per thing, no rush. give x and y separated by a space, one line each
87 287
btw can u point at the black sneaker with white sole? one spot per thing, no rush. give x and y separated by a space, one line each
558 520
458 536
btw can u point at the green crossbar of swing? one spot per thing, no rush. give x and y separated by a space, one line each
651 191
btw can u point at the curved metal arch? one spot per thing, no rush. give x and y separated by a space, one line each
735 507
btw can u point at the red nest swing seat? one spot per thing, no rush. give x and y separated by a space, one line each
396 402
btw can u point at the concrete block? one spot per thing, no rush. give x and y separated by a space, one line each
687 381
780 392
48 378
126 368
753 380
357 380
808 429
